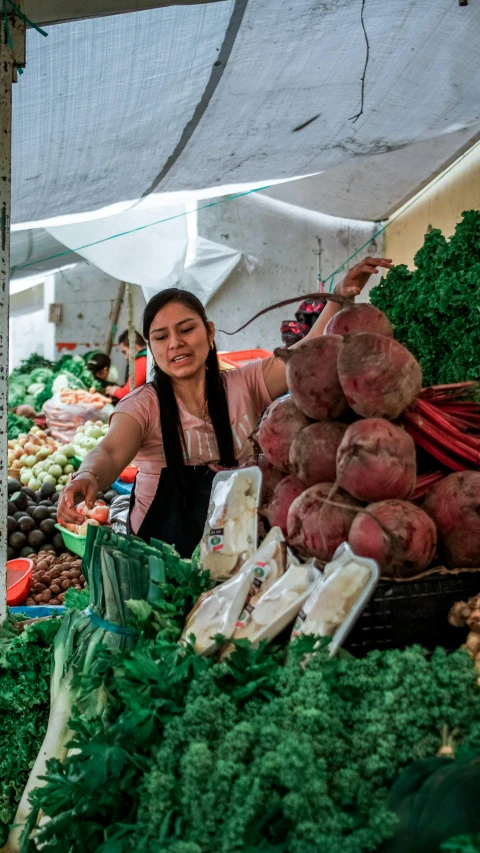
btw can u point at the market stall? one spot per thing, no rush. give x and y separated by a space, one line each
271 693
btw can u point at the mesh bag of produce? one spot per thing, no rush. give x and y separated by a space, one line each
63 419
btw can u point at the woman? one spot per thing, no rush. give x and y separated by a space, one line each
114 391
190 412
100 365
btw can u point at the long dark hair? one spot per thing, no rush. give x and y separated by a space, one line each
174 444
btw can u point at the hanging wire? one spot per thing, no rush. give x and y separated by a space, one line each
9 7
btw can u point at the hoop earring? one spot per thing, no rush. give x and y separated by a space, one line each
212 345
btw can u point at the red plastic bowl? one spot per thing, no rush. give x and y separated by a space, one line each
19 580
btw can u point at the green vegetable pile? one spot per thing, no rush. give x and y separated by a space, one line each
32 383
25 662
435 308
273 750
18 425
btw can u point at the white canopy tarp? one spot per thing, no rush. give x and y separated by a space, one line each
173 99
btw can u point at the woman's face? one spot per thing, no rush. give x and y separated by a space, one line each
102 373
179 340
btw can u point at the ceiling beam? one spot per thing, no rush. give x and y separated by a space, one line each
45 12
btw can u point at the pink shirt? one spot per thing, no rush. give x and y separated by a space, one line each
247 398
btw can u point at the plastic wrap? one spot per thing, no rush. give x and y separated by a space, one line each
64 419
230 536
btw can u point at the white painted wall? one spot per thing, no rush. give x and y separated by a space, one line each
284 240
87 295
27 324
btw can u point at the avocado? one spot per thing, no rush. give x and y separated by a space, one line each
47 527
11 508
17 541
110 496
57 543
30 494
20 514
11 525
55 497
27 551
13 486
40 513
47 490
20 500
11 554
46 502
49 548
36 538
26 524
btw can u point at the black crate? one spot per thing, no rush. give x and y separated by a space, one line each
402 614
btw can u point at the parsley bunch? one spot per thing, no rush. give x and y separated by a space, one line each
25 661
435 309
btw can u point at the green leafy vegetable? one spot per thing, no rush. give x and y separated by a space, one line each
435 309
25 661
18 425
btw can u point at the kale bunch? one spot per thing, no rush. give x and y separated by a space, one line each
435 309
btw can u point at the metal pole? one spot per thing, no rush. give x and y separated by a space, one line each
114 320
131 337
12 55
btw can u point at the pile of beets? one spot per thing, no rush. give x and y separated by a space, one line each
339 466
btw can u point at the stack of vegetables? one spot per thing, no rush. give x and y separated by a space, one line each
37 460
36 381
88 436
264 752
347 436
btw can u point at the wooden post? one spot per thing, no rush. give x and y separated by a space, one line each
131 336
117 305
12 56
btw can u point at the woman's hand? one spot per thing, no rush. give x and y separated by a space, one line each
111 389
356 278
84 487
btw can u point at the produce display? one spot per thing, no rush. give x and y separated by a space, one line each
434 309
87 437
378 448
31 520
79 395
97 515
274 748
40 461
52 576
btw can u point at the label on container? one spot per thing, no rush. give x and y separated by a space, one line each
215 539
297 628
245 616
260 573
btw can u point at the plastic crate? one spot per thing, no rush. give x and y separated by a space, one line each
122 488
413 612
73 541
38 611
242 357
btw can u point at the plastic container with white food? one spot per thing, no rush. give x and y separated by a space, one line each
267 614
231 536
337 601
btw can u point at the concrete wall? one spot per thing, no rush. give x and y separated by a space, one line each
87 296
284 241
27 324
441 206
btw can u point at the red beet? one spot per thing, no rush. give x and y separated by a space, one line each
376 461
454 506
359 318
313 453
403 543
279 426
312 377
318 527
271 477
379 377
285 493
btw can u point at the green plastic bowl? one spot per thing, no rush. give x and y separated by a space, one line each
73 541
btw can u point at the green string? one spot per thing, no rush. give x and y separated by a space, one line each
141 227
6 4
330 278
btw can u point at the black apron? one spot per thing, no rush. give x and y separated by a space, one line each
177 515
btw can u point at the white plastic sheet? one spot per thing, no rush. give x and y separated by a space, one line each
187 97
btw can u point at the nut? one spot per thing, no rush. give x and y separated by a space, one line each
55 588
66 583
46 596
39 587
